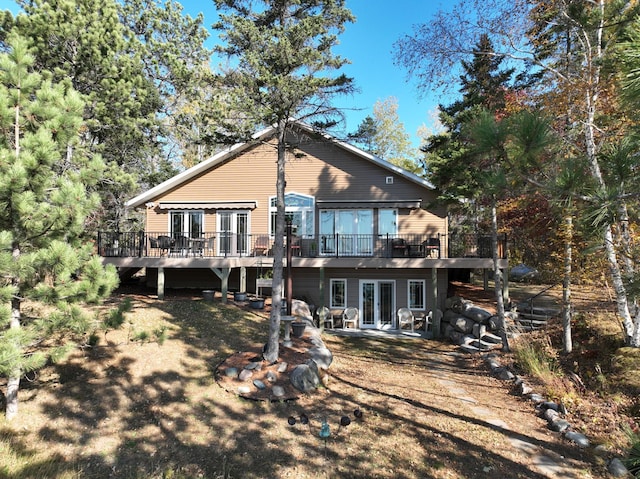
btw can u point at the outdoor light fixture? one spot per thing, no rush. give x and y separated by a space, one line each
325 429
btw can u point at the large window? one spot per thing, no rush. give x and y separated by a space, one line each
299 209
346 232
338 293
417 293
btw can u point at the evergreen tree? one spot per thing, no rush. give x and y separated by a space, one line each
284 65
133 61
484 87
45 182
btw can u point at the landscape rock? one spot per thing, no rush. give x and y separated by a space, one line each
245 375
231 372
477 314
244 389
259 384
559 425
271 377
305 377
617 469
282 367
322 356
579 439
278 391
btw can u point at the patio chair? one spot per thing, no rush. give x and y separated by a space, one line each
350 316
295 246
164 243
324 317
399 247
431 246
261 245
405 316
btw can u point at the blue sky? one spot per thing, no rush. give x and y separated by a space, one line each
368 44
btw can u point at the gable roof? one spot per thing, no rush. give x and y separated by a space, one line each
238 148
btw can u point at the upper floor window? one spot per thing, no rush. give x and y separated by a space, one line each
299 209
388 222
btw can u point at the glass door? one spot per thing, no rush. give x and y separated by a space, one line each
233 230
185 226
377 304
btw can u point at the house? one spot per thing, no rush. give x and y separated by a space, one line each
364 233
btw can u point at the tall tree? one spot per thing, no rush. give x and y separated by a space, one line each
130 60
484 85
384 135
570 45
282 50
45 177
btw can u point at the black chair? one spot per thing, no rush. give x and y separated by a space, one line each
164 243
180 245
432 245
399 248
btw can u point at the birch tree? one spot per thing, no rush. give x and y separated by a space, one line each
568 44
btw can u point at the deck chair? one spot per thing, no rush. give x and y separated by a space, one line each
405 316
153 243
324 317
261 245
350 316
399 247
164 243
432 247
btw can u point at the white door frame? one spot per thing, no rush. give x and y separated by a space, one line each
372 309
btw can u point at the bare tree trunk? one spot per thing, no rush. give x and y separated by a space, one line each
497 278
567 341
272 349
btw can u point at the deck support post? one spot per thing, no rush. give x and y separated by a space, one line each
434 288
223 274
243 279
160 285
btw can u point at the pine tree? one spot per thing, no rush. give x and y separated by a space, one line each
45 178
484 86
284 65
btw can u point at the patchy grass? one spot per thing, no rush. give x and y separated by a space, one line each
153 409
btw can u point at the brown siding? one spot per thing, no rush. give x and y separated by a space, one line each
321 169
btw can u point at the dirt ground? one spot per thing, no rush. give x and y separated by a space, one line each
155 409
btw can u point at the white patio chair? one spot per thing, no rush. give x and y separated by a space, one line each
350 316
405 316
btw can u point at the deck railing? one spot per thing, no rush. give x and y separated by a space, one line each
215 245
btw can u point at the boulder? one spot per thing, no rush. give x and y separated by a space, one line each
305 377
477 314
322 356
463 324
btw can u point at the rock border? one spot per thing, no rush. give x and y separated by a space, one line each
554 413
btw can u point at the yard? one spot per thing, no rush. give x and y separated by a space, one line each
145 403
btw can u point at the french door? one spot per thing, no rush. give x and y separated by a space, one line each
233 231
377 304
